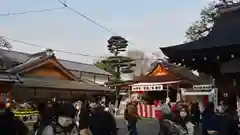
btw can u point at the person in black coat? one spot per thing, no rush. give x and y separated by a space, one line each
102 122
227 123
9 125
195 114
210 122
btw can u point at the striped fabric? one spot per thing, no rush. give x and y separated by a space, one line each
146 111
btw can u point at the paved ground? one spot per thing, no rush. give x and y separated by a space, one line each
145 126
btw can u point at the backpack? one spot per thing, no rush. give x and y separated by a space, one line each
126 115
57 130
173 128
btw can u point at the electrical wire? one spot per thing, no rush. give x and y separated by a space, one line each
62 51
32 11
97 23
73 10
56 50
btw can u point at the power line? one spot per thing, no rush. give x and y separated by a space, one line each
87 18
32 11
62 51
56 50
95 22
73 10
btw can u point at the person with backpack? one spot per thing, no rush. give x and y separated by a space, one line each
64 124
131 116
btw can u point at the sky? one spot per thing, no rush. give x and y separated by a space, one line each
147 24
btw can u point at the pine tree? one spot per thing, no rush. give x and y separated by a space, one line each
120 64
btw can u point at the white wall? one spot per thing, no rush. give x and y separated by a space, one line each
100 79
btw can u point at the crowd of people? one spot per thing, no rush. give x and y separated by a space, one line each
84 118
187 119
65 118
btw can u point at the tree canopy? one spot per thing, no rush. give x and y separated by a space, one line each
116 64
203 26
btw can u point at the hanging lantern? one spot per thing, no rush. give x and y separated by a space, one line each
232 56
205 58
217 57
193 59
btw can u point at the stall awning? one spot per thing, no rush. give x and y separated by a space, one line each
151 86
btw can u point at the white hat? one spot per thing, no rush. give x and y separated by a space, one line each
78 103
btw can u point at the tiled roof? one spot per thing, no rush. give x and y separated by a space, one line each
59 84
37 59
20 57
72 65
9 77
14 56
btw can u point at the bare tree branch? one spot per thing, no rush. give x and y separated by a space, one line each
5 43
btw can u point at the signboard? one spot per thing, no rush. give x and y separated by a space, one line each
209 90
149 87
202 87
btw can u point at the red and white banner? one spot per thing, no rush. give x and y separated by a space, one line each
146 111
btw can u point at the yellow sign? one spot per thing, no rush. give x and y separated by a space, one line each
25 112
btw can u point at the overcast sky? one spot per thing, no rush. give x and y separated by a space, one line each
149 24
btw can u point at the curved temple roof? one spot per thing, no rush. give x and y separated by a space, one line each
225 33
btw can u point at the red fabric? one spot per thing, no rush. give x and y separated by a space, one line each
155 102
205 100
2 106
173 108
158 115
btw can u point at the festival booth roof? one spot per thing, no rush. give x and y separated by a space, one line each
170 74
221 42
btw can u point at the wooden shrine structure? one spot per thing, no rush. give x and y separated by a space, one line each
43 77
164 80
217 54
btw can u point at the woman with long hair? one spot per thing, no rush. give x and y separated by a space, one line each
183 119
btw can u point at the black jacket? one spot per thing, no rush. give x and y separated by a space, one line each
103 123
12 126
227 125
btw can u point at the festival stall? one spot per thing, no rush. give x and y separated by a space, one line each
149 110
203 94
162 82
